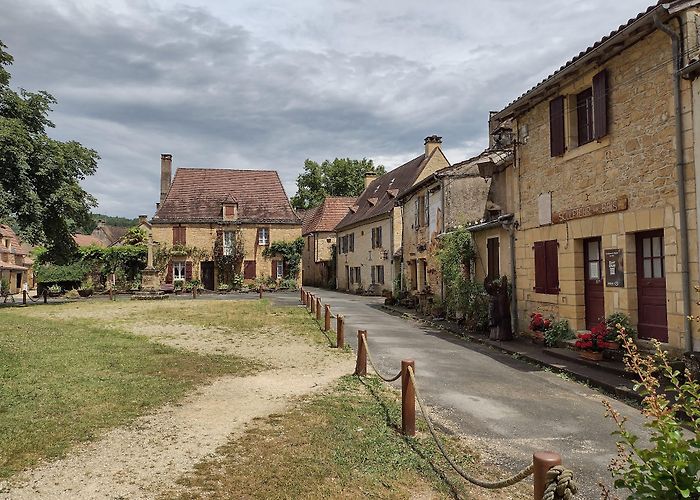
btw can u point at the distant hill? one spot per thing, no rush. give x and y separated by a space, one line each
109 220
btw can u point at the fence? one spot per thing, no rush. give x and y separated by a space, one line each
551 480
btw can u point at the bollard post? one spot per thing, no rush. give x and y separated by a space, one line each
408 399
301 294
543 461
327 318
24 297
340 331
311 303
46 295
111 294
260 292
361 365
194 292
318 308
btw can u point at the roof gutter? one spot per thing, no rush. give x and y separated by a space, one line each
680 175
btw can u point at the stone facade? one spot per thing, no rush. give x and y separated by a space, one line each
630 173
317 259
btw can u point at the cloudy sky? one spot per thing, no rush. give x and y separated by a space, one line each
253 84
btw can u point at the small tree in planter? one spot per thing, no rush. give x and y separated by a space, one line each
592 343
618 326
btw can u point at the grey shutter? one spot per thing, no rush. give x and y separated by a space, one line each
600 105
556 126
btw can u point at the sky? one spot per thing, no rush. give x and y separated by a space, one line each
266 85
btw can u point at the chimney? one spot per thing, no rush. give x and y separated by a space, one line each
166 170
369 178
143 219
432 142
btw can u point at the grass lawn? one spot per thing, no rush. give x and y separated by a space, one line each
64 379
342 444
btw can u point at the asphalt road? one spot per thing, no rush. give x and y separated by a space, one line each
506 407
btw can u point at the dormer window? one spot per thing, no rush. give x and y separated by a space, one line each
373 201
230 211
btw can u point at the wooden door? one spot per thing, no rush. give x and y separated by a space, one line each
651 286
593 276
208 275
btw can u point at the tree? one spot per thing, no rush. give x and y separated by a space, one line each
340 177
40 177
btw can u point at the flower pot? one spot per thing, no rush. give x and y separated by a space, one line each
538 337
85 292
612 346
592 355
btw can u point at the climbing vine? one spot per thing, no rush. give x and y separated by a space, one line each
162 254
290 251
229 266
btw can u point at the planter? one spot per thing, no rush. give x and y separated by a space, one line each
592 355
538 337
612 345
85 292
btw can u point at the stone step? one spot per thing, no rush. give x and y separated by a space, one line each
610 366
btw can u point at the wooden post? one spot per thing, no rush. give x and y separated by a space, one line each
318 308
543 461
111 294
327 318
313 304
260 292
24 297
361 365
340 332
194 292
46 295
408 399
301 294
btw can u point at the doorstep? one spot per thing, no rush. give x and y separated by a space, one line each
604 375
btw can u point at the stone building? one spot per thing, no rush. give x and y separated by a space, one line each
604 194
318 257
449 198
15 263
369 236
216 219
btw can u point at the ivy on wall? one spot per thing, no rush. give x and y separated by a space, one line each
228 267
290 251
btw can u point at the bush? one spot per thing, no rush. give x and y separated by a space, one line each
237 281
4 285
71 273
558 330
617 324
667 467
290 284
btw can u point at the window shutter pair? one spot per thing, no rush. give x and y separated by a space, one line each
169 273
188 270
546 267
557 119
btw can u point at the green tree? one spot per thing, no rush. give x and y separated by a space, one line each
340 177
40 177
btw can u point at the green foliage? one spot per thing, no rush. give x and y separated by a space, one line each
668 465
290 284
90 226
40 255
54 273
39 176
557 331
290 251
229 266
135 236
617 322
55 289
340 177
127 259
4 285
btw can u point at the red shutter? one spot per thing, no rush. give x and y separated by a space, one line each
169 274
175 235
183 236
273 272
600 105
188 270
552 258
540 267
285 270
249 270
556 126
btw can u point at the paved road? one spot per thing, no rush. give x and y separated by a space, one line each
507 407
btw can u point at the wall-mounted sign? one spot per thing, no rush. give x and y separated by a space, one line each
614 268
607 207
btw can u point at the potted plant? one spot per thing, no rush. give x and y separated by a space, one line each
54 290
223 288
558 330
618 326
86 288
177 286
591 344
538 325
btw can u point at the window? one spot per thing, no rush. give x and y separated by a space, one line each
179 271
263 236
547 267
588 112
377 275
357 278
377 237
494 257
229 242
416 214
308 243
424 274
653 257
277 269
422 212
584 116
179 235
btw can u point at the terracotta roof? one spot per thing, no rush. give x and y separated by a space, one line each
197 195
11 267
112 234
647 15
328 215
401 178
86 240
16 245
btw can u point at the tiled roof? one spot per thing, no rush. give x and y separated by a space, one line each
328 215
11 267
197 194
16 246
86 240
401 178
648 13
112 234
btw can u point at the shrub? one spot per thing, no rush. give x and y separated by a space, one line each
4 285
558 330
52 273
668 466
223 287
72 294
290 284
236 281
617 324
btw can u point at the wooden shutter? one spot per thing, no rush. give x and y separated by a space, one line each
600 105
169 273
493 254
273 273
380 271
552 258
374 274
556 126
249 270
176 235
351 237
188 270
540 267
379 237
416 222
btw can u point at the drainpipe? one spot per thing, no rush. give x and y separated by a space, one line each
680 174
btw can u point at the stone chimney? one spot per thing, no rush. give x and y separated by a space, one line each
369 178
432 142
166 171
143 219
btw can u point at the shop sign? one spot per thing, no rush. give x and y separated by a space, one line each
606 207
614 268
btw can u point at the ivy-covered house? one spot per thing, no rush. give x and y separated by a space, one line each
15 263
220 225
